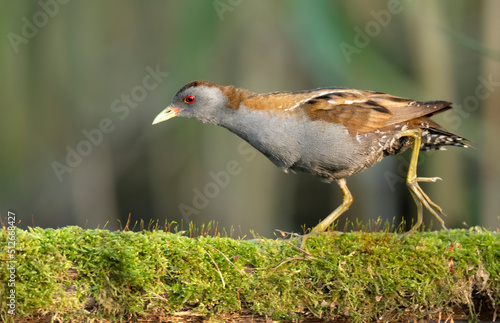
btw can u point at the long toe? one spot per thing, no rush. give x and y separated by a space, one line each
428 179
428 199
435 209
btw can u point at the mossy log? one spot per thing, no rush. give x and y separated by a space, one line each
74 274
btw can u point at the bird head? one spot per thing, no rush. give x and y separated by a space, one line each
201 100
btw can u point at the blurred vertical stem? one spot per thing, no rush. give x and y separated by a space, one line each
432 52
490 172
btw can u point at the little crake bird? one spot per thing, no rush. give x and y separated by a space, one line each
331 133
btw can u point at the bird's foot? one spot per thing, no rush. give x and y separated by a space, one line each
423 199
427 198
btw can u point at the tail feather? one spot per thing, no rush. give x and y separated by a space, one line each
436 138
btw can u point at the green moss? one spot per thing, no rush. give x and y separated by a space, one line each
73 273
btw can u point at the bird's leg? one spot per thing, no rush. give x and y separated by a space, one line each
412 180
323 225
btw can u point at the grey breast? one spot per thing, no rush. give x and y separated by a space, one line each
321 148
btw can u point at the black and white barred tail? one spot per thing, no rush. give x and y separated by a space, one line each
437 139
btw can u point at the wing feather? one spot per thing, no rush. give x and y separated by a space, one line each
366 111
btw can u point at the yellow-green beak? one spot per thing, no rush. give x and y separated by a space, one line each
166 114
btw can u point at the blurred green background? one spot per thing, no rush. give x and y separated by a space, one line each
81 82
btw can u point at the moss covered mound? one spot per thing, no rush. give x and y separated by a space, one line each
75 274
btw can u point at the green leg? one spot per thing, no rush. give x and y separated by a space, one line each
412 180
323 225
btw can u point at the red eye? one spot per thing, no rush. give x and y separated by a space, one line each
189 99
